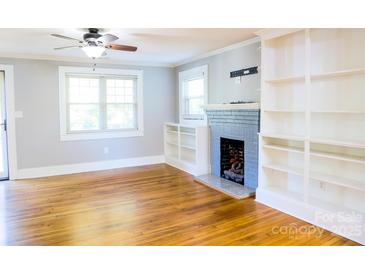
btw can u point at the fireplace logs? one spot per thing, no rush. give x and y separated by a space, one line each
232 160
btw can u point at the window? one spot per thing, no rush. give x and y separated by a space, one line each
193 95
106 103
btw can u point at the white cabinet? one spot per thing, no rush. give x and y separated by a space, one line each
312 141
187 147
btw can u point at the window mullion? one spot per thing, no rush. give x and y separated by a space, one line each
102 103
67 103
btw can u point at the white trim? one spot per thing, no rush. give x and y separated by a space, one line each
10 116
87 167
266 34
190 74
4 173
219 51
84 60
66 136
101 135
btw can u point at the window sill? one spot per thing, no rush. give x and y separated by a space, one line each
100 135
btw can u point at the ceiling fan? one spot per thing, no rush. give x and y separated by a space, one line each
94 44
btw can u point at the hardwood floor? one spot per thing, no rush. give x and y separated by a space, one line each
149 205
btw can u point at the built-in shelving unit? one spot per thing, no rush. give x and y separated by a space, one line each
312 141
187 148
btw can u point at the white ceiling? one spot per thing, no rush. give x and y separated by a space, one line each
155 46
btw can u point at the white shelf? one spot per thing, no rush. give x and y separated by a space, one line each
182 132
340 73
336 180
283 136
286 169
182 146
179 126
284 111
187 133
329 155
339 111
187 147
172 143
344 143
338 156
284 148
285 79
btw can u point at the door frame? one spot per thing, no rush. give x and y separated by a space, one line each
10 118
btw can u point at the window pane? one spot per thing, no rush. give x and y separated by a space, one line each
194 96
84 117
195 106
120 91
195 88
83 90
121 116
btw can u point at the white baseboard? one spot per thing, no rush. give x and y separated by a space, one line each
85 167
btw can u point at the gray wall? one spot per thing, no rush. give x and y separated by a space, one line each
38 132
222 88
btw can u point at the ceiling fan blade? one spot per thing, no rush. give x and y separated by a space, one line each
107 38
121 47
66 37
67 47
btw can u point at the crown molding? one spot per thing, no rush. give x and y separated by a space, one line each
267 34
128 63
82 60
219 51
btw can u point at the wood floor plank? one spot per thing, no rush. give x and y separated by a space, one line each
147 205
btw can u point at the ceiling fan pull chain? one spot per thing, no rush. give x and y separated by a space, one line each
94 66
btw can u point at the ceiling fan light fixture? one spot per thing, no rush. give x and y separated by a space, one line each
95 44
93 51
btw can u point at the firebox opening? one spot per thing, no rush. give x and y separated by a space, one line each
232 160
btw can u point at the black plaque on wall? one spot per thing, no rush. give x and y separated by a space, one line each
244 72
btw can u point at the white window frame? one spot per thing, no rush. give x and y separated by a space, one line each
191 74
99 134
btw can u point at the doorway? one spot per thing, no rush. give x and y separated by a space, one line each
4 170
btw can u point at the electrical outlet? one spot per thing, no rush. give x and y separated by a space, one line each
237 80
106 150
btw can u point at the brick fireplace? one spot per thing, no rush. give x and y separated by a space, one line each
241 125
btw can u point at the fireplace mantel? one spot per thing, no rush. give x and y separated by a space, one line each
232 106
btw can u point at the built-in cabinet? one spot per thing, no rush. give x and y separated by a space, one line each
187 147
312 140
